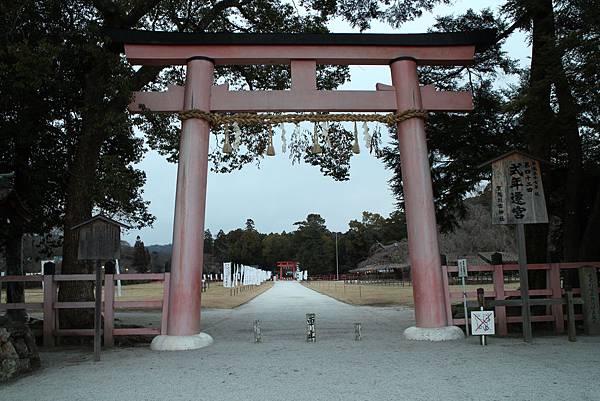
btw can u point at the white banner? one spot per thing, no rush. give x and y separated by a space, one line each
234 275
227 275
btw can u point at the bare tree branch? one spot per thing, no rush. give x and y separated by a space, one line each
141 8
115 17
110 11
217 9
517 24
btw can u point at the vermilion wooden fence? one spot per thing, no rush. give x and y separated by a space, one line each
553 290
51 305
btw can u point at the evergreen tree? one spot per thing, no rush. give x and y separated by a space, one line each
315 246
141 257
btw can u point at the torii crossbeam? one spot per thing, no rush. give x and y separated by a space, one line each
303 52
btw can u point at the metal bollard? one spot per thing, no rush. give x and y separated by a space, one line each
311 335
357 331
257 332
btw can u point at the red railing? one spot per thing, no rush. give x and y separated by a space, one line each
51 305
553 290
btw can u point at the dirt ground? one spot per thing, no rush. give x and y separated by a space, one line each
383 365
382 295
215 297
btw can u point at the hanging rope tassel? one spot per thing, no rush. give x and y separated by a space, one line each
270 148
355 145
283 140
226 145
316 148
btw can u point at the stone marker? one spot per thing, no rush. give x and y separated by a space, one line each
257 332
357 332
311 335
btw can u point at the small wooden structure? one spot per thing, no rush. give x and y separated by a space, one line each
99 239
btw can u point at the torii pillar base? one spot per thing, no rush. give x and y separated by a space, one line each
447 333
180 343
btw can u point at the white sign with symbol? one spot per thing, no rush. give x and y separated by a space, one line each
482 323
462 267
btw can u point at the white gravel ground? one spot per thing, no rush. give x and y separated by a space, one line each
383 366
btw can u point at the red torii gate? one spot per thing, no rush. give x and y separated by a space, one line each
284 266
201 52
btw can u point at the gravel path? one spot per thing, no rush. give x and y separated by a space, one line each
383 366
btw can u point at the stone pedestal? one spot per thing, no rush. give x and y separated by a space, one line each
18 352
446 333
180 343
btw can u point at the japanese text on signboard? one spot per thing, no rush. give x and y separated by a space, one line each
518 196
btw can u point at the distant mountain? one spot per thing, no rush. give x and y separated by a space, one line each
160 248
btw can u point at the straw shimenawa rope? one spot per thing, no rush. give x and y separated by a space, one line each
216 119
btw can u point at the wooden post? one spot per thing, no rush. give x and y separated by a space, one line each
49 318
571 315
557 310
109 310
523 276
446 293
97 311
500 311
165 305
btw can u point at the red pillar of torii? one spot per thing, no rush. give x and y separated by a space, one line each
200 52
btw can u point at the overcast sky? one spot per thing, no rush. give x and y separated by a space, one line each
277 194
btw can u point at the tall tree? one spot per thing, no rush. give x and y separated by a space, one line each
277 247
209 243
141 257
314 244
458 143
557 113
552 112
90 85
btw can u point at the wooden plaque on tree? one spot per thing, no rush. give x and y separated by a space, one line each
517 192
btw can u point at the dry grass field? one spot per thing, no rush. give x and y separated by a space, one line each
381 295
215 297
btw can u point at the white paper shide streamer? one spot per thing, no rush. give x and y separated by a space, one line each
283 139
237 137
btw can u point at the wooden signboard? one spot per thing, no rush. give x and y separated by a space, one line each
518 198
517 192
99 239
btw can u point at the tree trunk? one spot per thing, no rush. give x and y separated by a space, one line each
589 249
547 72
539 126
15 292
78 207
